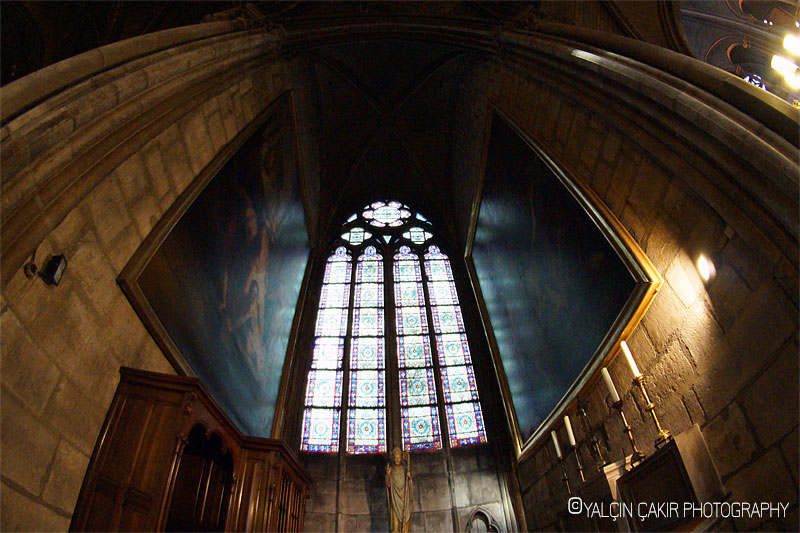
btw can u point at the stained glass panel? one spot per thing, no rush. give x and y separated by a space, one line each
367 388
338 272
443 293
331 322
328 352
369 295
368 322
411 321
320 430
465 424
407 271
438 270
447 319
417 386
417 235
366 431
453 349
367 352
458 384
369 271
420 428
409 293
335 295
324 388
435 253
414 352
356 236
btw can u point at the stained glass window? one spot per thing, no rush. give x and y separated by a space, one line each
335 295
465 424
417 387
356 236
348 361
367 352
464 417
324 388
414 352
420 426
328 353
321 430
366 431
417 235
366 417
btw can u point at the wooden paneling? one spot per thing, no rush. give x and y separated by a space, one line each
145 464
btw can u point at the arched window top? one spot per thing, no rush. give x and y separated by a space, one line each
379 311
370 254
340 254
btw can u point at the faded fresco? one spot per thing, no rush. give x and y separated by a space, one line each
225 283
552 284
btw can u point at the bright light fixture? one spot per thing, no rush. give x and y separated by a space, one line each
706 268
790 71
792 44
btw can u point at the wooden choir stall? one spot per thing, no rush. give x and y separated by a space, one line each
168 459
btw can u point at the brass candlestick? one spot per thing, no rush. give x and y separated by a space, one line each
637 456
578 460
564 472
595 449
663 435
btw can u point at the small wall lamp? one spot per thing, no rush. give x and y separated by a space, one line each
53 269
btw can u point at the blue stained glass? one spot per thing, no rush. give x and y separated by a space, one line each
335 295
331 322
417 387
328 353
453 349
366 431
414 352
367 388
324 388
465 424
447 319
443 293
438 270
404 254
458 384
409 293
367 352
368 322
369 271
369 295
320 430
407 271
338 272
411 321
420 428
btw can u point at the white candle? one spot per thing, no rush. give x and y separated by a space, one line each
629 358
570 434
555 443
610 385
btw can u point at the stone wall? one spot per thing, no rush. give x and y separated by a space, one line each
722 354
62 346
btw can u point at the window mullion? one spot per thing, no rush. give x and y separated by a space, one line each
343 409
393 429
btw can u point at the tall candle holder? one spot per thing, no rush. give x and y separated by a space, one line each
637 456
663 435
573 445
564 473
587 425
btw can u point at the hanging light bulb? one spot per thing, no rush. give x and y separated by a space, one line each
792 44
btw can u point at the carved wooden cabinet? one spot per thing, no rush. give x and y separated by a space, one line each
167 458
